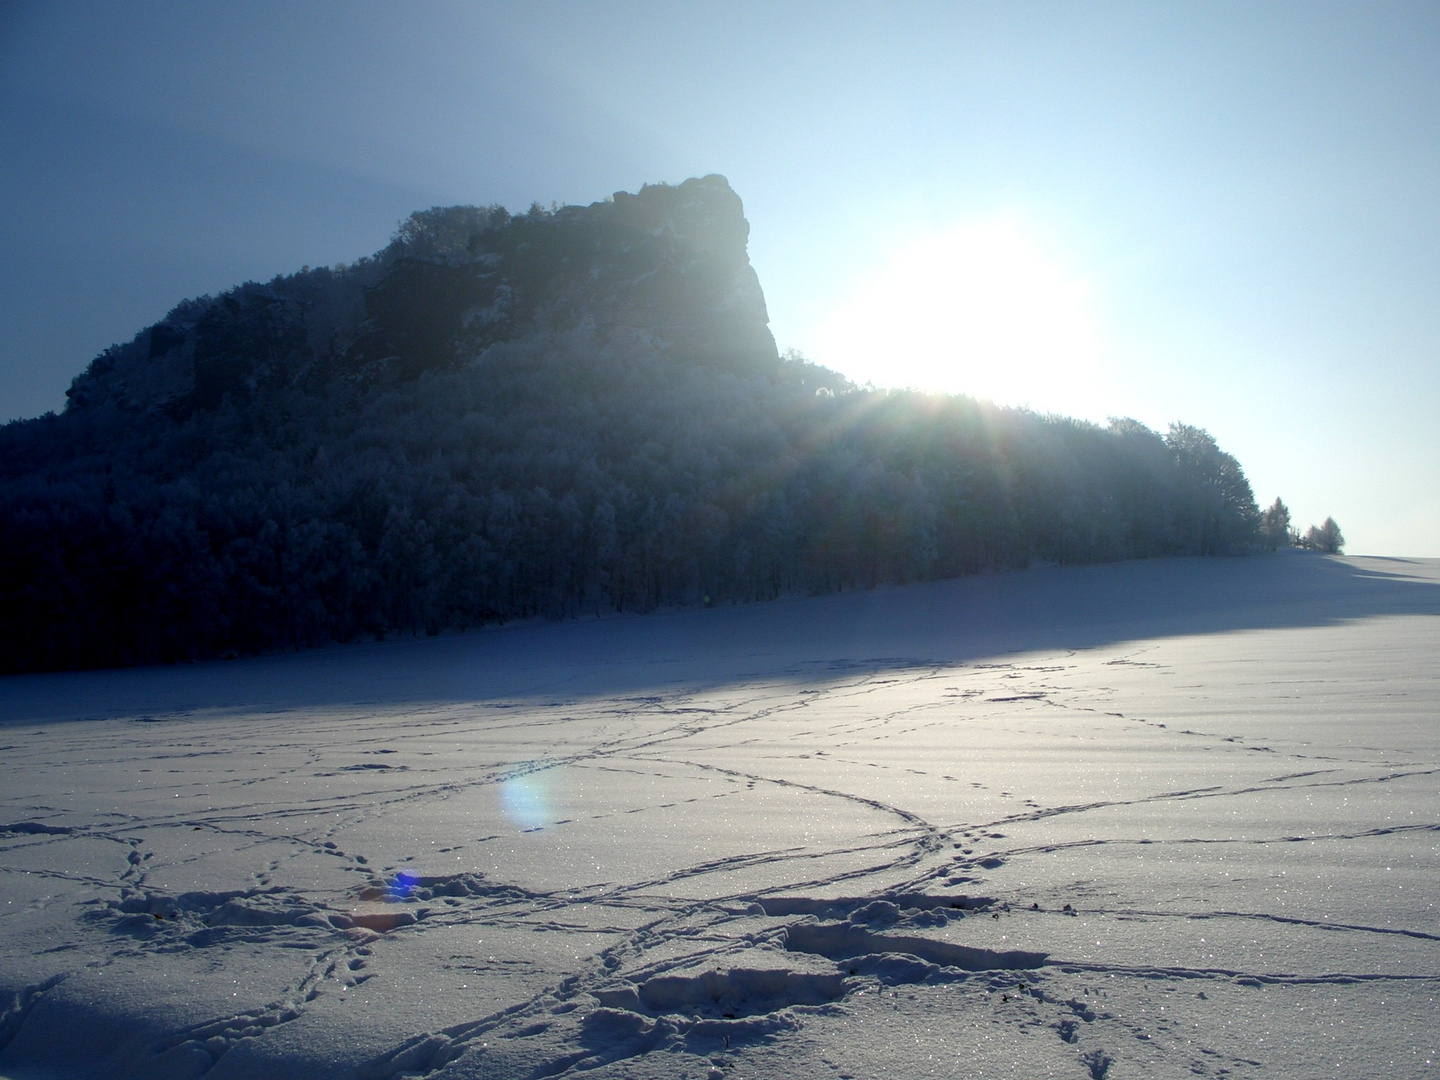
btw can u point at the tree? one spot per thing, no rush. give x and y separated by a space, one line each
1220 514
1275 526
1327 538
445 232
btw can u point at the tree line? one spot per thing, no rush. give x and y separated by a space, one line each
554 477
1276 532
496 417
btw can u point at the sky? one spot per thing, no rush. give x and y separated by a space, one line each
1219 214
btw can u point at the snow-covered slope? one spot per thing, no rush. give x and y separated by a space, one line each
1169 818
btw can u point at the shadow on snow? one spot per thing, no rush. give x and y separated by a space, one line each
923 624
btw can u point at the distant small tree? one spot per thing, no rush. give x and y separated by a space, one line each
1327 538
1275 528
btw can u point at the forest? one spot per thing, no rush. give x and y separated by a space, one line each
354 452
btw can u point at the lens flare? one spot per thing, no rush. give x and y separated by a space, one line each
404 885
526 799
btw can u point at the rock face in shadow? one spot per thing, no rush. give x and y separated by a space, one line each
665 268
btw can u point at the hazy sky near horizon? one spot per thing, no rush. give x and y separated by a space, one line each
1219 213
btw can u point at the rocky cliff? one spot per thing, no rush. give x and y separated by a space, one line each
665 268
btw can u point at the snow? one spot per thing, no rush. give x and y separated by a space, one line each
1172 818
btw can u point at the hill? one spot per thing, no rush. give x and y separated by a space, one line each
496 417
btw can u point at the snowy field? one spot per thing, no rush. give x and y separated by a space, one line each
1161 819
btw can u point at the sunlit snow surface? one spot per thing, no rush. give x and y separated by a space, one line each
1161 819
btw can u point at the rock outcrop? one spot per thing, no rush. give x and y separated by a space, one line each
666 267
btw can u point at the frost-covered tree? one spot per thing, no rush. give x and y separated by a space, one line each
1326 538
444 232
1275 529
1218 504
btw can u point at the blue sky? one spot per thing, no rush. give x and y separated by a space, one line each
1224 214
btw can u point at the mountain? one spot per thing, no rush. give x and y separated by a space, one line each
500 416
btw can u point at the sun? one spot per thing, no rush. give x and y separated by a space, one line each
978 309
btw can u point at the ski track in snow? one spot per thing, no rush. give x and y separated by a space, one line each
1207 855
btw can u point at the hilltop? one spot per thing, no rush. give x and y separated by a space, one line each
499 416
664 270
